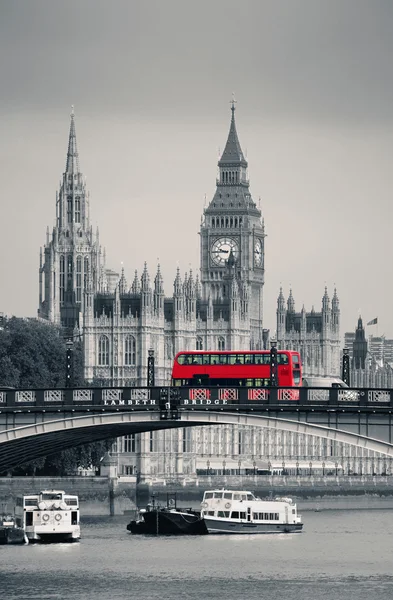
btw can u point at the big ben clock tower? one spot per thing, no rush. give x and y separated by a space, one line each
233 229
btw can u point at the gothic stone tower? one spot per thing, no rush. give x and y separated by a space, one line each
232 237
316 335
73 252
359 347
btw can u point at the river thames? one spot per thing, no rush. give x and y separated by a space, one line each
341 554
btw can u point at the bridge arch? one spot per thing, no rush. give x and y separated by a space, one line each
28 442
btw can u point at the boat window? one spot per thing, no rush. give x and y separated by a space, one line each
223 514
266 516
276 517
217 494
208 495
71 501
29 519
51 496
271 516
235 514
228 495
244 497
210 512
256 516
237 497
250 497
30 502
294 511
242 515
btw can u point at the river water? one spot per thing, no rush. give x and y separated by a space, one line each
341 554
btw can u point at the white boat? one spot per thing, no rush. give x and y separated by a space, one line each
230 511
50 516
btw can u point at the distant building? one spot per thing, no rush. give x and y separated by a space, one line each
371 359
316 335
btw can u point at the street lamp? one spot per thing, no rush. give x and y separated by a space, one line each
223 466
283 467
310 465
208 466
269 467
297 468
240 464
336 465
254 464
323 468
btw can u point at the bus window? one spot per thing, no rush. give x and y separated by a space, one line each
222 359
282 359
231 359
214 359
249 382
206 359
182 359
197 359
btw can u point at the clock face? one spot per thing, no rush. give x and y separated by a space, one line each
258 253
221 250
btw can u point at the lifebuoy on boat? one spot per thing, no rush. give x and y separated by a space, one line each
58 517
45 517
204 504
228 505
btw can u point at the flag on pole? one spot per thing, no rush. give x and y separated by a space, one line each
373 321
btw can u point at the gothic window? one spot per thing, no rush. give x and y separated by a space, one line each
103 351
222 223
231 222
129 443
221 343
85 271
213 222
62 278
199 343
79 279
77 210
226 222
235 221
129 351
69 209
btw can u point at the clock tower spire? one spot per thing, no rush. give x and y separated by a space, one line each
232 226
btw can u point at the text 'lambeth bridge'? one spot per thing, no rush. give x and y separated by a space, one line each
36 423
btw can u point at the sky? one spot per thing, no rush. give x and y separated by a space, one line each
151 82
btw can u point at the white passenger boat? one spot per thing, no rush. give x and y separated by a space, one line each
230 511
50 516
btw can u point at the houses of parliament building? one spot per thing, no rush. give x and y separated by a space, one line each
220 306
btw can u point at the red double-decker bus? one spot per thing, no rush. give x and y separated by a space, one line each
236 368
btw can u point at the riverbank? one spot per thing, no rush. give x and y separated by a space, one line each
122 495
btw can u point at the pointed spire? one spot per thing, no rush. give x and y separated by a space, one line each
281 300
135 288
198 288
72 165
158 281
177 284
232 151
291 302
325 300
145 279
335 303
122 283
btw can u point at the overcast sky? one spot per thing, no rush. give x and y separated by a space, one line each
151 83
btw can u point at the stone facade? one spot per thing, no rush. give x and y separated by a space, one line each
316 335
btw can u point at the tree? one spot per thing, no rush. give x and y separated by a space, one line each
33 355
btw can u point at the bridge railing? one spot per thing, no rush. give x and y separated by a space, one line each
166 398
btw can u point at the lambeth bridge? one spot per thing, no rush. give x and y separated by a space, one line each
36 423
